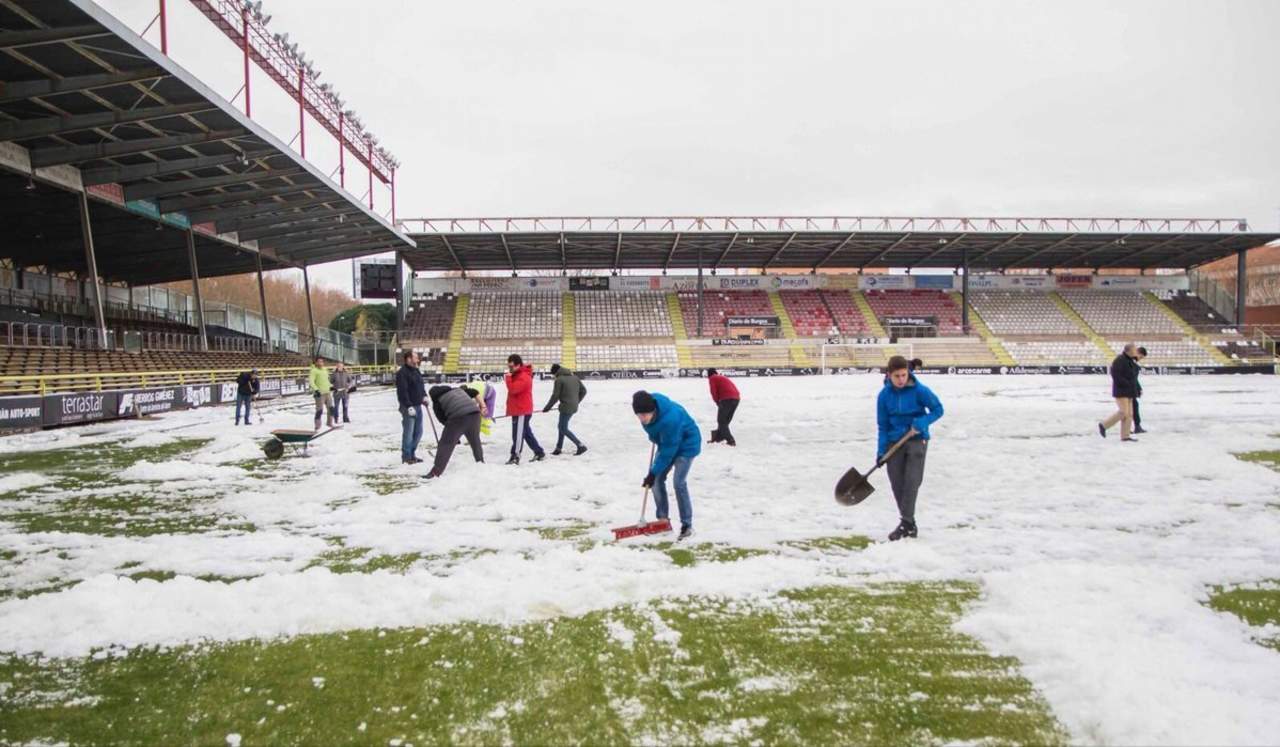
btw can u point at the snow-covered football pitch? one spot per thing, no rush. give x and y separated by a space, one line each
163 583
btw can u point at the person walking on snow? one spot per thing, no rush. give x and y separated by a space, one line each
1124 388
569 392
247 387
519 380
460 410
1137 390
725 394
679 442
905 403
410 393
341 381
322 390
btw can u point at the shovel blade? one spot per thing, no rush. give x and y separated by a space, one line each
649 527
853 488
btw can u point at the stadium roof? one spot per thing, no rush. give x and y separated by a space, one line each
621 243
86 103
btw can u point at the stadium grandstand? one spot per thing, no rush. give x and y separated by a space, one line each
806 294
120 171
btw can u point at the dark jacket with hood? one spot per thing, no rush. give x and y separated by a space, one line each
450 402
568 391
674 432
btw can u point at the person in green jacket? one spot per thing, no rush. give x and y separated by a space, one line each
322 390
568 391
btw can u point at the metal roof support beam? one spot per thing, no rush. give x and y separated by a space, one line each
122 174
327 222
454 254
1140 252
91 262
174 204
25 129
834 252
1180 258
944 247
45 157
262 299
311 320
283 217
33 37
778 253
347 251
1105 246
18 90
564 264
617 254
973 261
1242 288
333 237
729 247
1023 260
671 254
161 189
507 249
881 254
195 288
266 207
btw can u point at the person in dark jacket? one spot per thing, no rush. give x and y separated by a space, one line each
905 403
679 441
1124 388
460 410
569 391
341 380
1137 369
519 381
725 394
410 393
247 387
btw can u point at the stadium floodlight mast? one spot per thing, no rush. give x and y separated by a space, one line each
245 23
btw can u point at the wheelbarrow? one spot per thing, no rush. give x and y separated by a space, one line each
295 439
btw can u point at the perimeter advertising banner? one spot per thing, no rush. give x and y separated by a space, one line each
19 413
82 407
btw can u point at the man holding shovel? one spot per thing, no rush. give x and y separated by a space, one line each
678 442
905 404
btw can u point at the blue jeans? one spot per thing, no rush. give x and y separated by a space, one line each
411 431
681 468
563 429
247 401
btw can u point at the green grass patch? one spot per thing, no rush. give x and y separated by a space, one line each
1256 604
387 484
706 552
1267 458
844 543
877 665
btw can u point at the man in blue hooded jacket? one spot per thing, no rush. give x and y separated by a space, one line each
678 439
905 403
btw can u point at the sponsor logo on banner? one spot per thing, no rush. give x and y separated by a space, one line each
198 396
60 409
623 282
20 412
970 370
685 284
147 401
910 321
730 341
1029 281
1114 282
751 321
983 281
589 284
882 282
1019 370
229 392
1073 281
746 283
292 386
269 388
624 374
794 282
941 282
488 283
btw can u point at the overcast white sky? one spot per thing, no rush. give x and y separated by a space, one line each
1155 108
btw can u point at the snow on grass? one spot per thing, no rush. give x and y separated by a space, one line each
1018 483
19 481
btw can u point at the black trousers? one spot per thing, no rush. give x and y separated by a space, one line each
1137 419
454 429
724 416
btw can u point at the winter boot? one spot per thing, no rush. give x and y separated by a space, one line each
685 533
514 459
432 475
905 529
1102 430
581 450
539 457
557 452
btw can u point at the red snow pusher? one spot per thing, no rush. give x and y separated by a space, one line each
657 526
854 488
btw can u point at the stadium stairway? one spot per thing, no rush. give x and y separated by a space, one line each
455 333
1080 323
798 356
1218 356
978 325
569 343
873 322
683 357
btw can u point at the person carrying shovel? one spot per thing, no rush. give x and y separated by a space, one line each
905 405
678 442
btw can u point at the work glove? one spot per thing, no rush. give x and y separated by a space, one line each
410 412
649 479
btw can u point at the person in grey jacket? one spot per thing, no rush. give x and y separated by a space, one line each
569 392
341 380
460 409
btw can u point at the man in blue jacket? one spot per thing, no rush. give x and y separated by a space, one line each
904 403
678 439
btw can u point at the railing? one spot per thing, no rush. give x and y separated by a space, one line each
38 335
1212 293
119 380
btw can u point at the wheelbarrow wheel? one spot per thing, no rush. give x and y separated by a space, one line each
274 449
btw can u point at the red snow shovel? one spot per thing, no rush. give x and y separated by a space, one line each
854 487
656 526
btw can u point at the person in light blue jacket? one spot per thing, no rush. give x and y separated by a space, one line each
679 441
905 403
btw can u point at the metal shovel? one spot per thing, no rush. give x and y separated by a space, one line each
854 487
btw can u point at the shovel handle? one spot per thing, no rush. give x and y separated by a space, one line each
644 503
911 432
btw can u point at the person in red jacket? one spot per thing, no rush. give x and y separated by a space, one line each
519 408
726 397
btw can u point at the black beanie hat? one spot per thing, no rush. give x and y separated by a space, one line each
555 368
642 402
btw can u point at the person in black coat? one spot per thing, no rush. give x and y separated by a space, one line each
460 410
247 387
1137 369
411 390
1124 388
